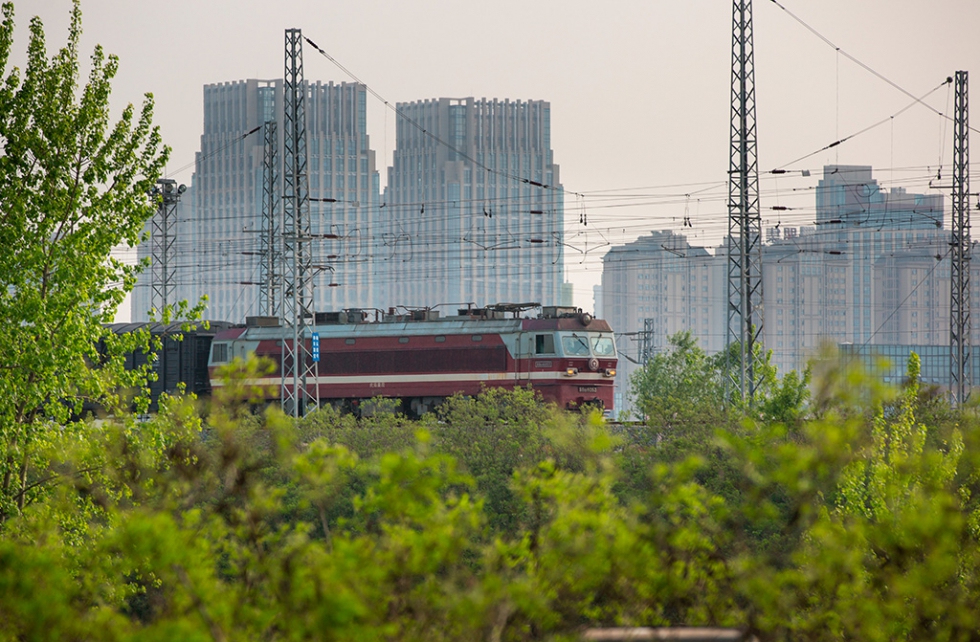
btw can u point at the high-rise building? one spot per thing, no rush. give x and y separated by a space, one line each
859 275
473 207
219 231
873 272
655 287
848 196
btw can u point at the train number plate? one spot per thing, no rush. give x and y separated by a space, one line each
377 384
588 389
542 364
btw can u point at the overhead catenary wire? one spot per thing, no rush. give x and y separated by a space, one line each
864 66
891 118
856 246
613 199
618 229
234 257
233 141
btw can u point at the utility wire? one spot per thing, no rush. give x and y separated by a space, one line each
861 64
193 163
866 129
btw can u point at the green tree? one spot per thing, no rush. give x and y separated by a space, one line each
72 187
492 435
681 395
170 529
777 399
877 524
679 386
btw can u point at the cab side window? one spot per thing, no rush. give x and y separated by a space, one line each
544 344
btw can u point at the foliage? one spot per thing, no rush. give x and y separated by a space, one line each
681 396
849 525
686 386
492 436
680 386
72 187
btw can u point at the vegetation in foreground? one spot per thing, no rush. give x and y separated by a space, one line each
499 518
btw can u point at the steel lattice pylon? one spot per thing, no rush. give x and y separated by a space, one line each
745 318
162 255
959 300
647 342
299 371
271 234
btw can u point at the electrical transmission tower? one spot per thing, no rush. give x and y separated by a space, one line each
270 232
647 348
744 220
162 250
299 370
959 300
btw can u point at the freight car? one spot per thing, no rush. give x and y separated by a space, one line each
420 357
183 361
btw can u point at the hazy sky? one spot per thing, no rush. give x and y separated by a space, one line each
640 91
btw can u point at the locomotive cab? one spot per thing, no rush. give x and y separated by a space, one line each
228 345
227 349
570 360
589 365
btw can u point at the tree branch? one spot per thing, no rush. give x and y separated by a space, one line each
45 480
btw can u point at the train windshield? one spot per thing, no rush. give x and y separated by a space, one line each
575 346
603 346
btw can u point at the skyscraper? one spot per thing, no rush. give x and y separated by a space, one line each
872 273
473 207
219 231
835 279
655 287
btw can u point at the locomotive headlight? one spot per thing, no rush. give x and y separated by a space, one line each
610 372
571 372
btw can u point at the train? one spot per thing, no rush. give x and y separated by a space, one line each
420 357
179 364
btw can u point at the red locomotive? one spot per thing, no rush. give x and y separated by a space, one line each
420 358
